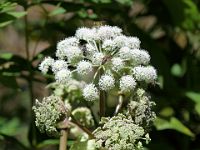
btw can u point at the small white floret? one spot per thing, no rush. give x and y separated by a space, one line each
45 64
133 42
84 67
63 76
59 65
109 45
120 41
124 53
127 83
108 32
117 64
86 34
90 92
139 57
73 53
90 50
64 44
147 74
106 82
97 58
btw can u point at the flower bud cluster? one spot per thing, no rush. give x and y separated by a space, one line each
84 116
48 113
120 133
90 92
140 108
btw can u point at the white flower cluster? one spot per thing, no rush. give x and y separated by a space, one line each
45 65
59 65
90 92
127 83
62 45
84 67
63 76
136 56
97 58
106 82
105 49
147 74
86 34
117 64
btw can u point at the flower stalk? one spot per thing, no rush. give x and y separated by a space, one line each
120 104
63 126
83 128
63 139
102 104
102 99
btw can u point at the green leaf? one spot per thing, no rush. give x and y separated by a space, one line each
67 5
176 70
6 6
3 24
105 1
125 2
87 145
183 13
9 127
193 96
166 112
12 141
17 14
48 142
161 81
4 17
197 108
82 13
6 56
57 11
173 124
9 17
8 13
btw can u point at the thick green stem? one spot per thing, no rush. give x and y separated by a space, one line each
96 73
102 104
102 98
63 139
119 105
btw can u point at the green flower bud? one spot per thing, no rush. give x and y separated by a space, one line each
48 113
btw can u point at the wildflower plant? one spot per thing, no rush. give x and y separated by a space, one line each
102 62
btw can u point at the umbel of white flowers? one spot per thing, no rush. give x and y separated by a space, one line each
114 63
105 48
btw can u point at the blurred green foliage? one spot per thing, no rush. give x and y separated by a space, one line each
86 145
8 13
168 29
